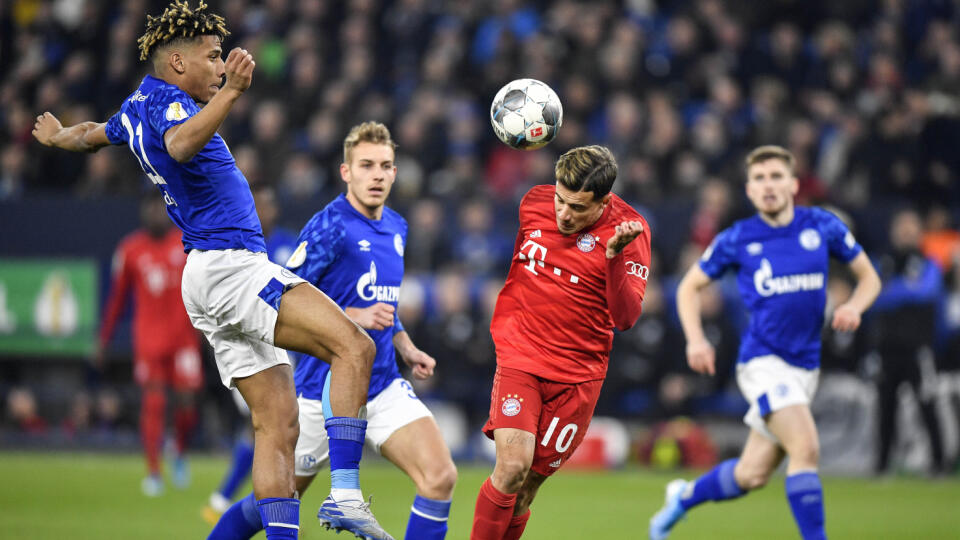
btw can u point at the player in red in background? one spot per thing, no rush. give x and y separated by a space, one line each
576 275
166 349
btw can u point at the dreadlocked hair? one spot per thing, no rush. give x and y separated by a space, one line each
177 22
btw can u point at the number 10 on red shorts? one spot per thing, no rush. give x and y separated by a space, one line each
556 413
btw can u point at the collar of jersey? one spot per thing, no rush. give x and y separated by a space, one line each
376 224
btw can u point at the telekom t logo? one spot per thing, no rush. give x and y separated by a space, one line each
535 248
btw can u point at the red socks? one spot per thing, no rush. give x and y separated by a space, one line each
184 420
492 514
517 524
152 411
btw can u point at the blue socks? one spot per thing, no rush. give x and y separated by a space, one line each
428 519
716 485
805 494
346 437
240 521
280 517
239 468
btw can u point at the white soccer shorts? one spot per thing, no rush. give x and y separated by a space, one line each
770 384
232 296
396 406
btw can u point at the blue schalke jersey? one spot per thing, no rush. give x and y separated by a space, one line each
782 277
280 245
208 197
357 262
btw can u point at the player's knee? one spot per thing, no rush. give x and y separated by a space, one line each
750 478
439 481
806 455
510 473
367 350
361 352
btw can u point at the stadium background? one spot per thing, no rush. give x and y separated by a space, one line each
865 93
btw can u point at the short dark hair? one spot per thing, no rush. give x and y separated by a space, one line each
587 168
180 23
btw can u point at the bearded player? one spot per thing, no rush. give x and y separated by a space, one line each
248 308
577 274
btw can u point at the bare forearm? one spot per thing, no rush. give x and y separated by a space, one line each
866 291
868 284
191 136
688 309
403 343
79 138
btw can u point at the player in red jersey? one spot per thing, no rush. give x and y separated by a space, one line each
576 275
166 349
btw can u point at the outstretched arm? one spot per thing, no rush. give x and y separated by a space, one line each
83 137
700 354
846 317
187 139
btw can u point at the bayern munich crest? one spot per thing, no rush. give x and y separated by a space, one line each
511 405
586 242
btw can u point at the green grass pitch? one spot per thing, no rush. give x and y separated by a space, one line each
97 496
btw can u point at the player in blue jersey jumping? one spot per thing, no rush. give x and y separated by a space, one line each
353 250
781 256
249 308
280 243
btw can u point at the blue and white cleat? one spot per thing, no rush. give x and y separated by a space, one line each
351 516
670 514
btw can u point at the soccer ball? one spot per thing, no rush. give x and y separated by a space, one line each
526 114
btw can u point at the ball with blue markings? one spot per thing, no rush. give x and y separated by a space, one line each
526 114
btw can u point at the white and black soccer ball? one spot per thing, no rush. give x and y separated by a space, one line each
526 114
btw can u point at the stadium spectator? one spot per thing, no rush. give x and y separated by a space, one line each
905 326
22 412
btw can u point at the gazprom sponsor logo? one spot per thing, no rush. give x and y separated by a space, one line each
367 287
768 285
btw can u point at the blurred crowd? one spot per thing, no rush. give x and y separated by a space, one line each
865 93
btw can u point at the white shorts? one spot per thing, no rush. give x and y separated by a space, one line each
770 384
232 296
396 406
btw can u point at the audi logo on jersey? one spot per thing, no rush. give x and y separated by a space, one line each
637 269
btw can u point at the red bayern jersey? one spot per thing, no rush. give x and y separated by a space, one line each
562 299
152 268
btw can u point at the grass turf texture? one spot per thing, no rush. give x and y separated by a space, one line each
95 496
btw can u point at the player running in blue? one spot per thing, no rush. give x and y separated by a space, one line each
249 308
781 256
353 250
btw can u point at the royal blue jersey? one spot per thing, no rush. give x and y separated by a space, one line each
208 197
782 277
356 261
280 245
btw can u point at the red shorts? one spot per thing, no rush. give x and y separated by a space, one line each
181 370
556 413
